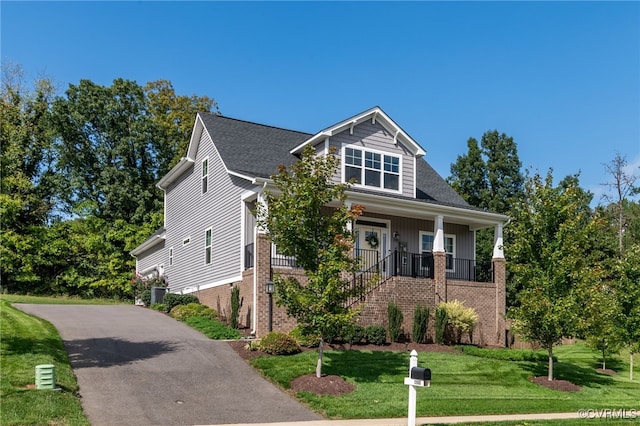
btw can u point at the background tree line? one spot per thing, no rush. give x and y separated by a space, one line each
78 178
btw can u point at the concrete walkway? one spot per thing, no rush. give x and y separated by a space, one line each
426 420
136 366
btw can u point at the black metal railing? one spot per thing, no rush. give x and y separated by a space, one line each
280 260
248 256
469 270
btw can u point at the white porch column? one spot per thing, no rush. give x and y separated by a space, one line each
262 200
498 242
350 222
438 240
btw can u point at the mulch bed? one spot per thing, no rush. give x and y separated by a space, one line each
559 385
325 385
608 371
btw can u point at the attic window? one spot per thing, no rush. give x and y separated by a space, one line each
379 170
205 175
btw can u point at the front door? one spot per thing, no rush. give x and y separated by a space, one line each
371 246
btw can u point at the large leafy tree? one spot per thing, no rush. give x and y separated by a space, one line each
295 216
172 116
550 238
27 185
489 176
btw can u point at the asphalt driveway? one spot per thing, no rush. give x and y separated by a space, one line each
136 366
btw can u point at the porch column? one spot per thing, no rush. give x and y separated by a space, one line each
262 274
439 261
500 281
498 243
262 271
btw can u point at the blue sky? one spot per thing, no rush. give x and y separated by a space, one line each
562 78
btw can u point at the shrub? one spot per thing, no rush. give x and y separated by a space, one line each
375 334
353 333
276 343
183 312
172 300
441 324
145 296
506 354
460 319
420 324
159 307
395 321
236 304
213 329
305 339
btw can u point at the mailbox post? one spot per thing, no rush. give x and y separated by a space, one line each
418 376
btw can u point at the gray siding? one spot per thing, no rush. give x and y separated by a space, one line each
409 229
153 257
189 213
373 136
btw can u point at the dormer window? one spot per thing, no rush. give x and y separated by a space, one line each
378 170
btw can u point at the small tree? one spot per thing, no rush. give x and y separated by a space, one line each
549 257
301 227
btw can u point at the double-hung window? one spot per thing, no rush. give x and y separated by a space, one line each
426 247
372 169
205 175
170 256
207 246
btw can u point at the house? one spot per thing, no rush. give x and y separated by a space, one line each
416 233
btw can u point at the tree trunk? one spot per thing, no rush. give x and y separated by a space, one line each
550 374
604 365
630 366
319 364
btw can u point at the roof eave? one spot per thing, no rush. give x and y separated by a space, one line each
151 242
174 173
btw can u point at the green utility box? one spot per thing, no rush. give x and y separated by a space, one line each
45 376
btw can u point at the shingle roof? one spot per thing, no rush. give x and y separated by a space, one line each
251 148
256 150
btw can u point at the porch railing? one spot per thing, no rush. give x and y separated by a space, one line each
469 270
280 260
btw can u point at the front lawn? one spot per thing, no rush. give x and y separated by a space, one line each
26 342
461 385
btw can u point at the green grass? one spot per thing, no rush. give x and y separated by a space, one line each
26 342
58 300
212 329
461 384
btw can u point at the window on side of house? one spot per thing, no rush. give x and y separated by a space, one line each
186 241
372 169
205 175
207 246
170 256
426 246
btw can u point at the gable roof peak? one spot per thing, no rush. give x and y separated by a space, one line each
376 115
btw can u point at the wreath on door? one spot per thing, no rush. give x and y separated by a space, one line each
372 239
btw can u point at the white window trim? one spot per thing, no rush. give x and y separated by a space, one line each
203 176
170 256
452 236
210 246
186 240
363 168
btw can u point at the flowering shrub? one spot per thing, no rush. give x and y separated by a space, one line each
141 286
